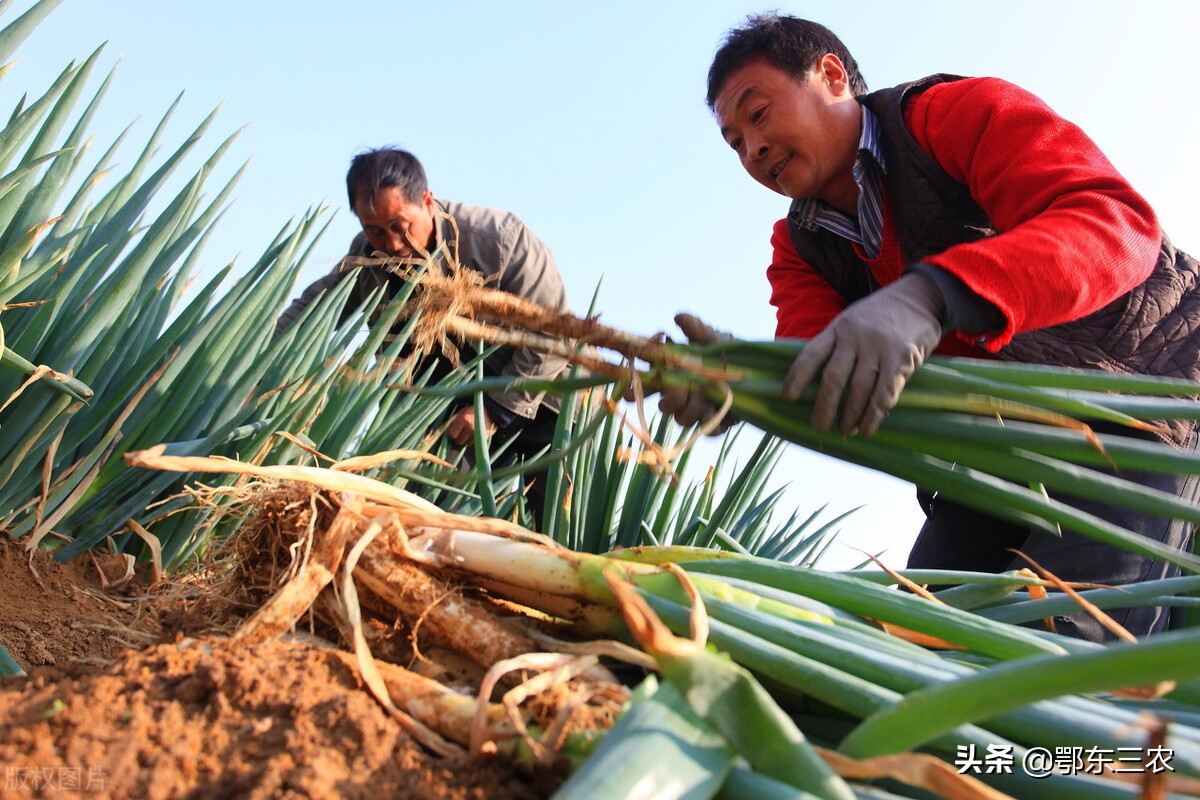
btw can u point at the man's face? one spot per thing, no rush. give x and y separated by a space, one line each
393 223
797 138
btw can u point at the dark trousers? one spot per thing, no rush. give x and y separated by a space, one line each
955 537
533 436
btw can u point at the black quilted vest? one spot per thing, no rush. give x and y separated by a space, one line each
1154 329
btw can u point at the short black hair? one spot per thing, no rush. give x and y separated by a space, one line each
382 168
791 44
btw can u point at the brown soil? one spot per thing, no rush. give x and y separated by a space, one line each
204 719
193 717
53 613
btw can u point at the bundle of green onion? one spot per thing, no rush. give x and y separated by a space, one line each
1003 437
1006 438
832 648
819 688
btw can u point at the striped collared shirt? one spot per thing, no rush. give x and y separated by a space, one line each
869 169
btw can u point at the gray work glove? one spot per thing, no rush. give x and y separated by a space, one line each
868 353
689 406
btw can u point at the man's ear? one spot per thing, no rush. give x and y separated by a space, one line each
427 200
833 72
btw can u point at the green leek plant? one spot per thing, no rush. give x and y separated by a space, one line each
994 685
847 681
847 664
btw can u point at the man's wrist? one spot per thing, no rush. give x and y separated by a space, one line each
500 415
963 310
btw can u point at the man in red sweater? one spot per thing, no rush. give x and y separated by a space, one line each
960 216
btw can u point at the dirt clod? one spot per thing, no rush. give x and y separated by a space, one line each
102 715
52 613
210 719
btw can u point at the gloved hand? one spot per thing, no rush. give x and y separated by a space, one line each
690 407
868 353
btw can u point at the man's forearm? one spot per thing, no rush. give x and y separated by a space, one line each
966 312
306 298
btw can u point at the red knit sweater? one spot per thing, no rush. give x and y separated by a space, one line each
1073 234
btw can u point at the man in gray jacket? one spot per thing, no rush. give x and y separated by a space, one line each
400 217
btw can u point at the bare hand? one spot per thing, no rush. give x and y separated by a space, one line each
461 430
690 406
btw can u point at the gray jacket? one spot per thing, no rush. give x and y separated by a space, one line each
498 245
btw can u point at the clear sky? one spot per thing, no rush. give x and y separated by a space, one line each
588 121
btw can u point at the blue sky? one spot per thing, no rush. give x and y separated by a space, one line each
589 122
